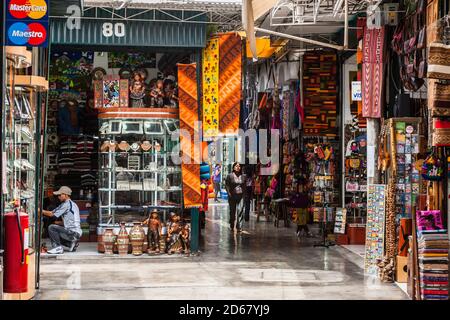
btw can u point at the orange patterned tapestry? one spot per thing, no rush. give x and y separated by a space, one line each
230 69
188 105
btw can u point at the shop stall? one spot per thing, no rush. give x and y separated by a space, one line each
20 137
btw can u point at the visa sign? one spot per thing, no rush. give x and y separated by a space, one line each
356 91
27 23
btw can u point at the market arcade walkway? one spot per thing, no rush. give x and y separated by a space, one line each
265 263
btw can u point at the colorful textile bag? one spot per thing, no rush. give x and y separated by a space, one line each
429 220
432 168
440 100
439 61
441 134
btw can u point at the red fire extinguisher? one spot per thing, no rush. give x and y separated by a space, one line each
16 252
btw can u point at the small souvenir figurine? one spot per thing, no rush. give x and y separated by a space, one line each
137 91
173 236
354 147
154 226
171 99
186 238
157 95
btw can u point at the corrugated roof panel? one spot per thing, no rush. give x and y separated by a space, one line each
137 33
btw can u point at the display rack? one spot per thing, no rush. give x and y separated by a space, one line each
356 178
138 170
407 142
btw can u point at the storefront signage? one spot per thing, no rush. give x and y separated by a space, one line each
27 23
356 91
376 201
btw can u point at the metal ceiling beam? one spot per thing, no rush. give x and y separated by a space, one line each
288 36
309 12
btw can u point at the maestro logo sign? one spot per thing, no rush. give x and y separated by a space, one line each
27 22
27 9
33 34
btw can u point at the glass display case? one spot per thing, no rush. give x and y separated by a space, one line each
18 138
24 104
139 168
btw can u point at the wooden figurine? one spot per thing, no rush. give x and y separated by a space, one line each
173 236
154 227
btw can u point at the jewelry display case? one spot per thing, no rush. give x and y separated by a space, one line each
139 168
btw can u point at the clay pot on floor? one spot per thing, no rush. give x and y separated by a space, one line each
123 240
145 245
100 244
108 240
137 236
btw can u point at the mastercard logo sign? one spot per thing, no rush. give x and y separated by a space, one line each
27 23
28 9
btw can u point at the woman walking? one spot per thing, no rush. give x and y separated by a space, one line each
235 185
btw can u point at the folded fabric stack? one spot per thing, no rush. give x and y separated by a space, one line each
65 161
82 162
77 153
85 145
88 181
433 264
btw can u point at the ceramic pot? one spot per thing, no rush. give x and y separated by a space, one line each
162 244
108 240
145 245
100 244
123 240
137 235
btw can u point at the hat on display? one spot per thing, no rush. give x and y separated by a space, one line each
63 190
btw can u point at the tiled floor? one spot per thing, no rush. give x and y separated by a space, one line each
263 263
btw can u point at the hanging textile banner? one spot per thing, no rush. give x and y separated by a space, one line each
211 89
188 106
230 59
373 72
320 94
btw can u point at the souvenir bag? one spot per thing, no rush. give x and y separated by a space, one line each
309 157
440 100
328 153
263 102
441 133
429 220
289 179
354 163
258 186
319 151
432 168
397 39
439 61
351 186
